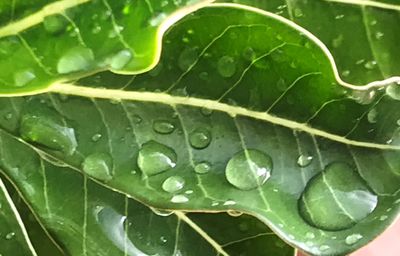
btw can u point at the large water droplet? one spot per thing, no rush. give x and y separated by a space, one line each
352 239
98 165
163 127
23 78
304 160
226 66
200 138
55 24
179 199
202 168
48 133
393 91
119 60
155 158
76 59
173 184
337 198
248 169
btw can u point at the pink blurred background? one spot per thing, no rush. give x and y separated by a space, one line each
387 244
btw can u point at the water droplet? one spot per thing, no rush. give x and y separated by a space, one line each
339 17
96 137
304 160
336 199
98 165
229 202
370 64
48 133
234 213
310 235
173 184
163 127
10 235
372 116
157 19
324 247
352 239
248 169
9 115
161 212
383 217
226 66
346 73
298 12
119 60
364 97
206 111
76 59
202 168
393 90
337 41
249 54
163 239
187 58
23 78
55 24
200 138
136 119
379 35
179 199
155 158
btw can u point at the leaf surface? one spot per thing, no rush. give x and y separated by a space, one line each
48 41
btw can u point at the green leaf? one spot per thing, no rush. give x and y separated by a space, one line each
245 112
89 219
361 35
13 234
62 40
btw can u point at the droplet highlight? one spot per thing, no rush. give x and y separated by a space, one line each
173 184
155 158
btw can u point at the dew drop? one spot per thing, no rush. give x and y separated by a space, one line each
9 115
249 54
370 64
383 217
23 78
48 133
206 111
55 24
226 66
234 213
336 199
96 137
98 165
298 13
179 199
155 158
324 247
310 235
10 235
163 127
161 212
119 60
157 19
372 116
173 184
202 168
76 59
200 138
187 58
248 169
352 239
393 90
364 97
304 160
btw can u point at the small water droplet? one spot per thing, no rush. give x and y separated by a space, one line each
202 168
336 186
10 235
352 239
119 60
393 91
163 127
229 202
161 212
163 239
324 247
96 137
370 64
337 41
179 199
48 133
339 17
200 138
379 35
55 24
234 213
173 184
364 97
304 160
23 78
310 235
136 119
76 59
298 13
249 54
155 158
226 66
206 111
98 165
383 217
187 58
157 19
372 116
346 73
248 169
9 115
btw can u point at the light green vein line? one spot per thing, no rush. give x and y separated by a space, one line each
45 188
167 99
17 217
368 3
85 213
36 18
248 238
182 216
